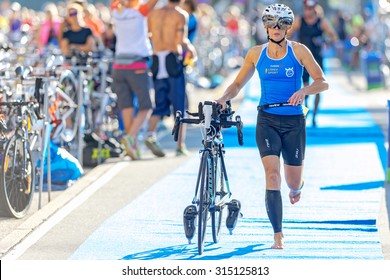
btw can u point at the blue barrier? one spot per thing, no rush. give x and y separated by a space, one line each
388 148
371 66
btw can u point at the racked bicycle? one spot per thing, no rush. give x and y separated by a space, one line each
18 172
212 192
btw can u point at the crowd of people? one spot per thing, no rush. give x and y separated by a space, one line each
77 25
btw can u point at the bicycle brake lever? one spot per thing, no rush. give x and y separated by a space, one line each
192 114
176 127
239 126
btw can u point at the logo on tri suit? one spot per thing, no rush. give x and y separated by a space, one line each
289 72
296 153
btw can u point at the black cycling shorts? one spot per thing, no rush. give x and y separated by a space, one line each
281 134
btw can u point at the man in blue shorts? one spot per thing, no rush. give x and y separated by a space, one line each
168 29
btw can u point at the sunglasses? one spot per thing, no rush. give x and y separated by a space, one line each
72 14
272 22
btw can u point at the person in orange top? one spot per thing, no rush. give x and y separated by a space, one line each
94 23
132 81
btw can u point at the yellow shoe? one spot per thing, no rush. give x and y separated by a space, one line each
129 144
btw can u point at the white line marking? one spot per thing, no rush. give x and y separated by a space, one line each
45 227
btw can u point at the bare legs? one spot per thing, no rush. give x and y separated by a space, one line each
278 241
152 128
293 176
133 124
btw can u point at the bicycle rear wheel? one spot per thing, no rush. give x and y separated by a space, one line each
68 105
204 201
219 191
17 179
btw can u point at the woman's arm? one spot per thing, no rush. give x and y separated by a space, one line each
243 76
64 46
89 45
319 84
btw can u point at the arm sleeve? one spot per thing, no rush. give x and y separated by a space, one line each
143 9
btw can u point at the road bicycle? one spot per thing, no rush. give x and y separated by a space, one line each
18 172
87 82
212 192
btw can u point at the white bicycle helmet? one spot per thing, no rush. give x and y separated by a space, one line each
275 12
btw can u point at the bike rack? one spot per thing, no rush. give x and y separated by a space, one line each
44 145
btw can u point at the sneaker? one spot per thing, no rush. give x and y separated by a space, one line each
152 144
234 208
182 151
189 217
137 153
129 144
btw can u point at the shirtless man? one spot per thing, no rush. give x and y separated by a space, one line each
168 33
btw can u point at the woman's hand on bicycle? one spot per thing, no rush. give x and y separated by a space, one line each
222 101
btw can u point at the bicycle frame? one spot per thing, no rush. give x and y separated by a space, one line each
212 190
18 144
214 144
17 170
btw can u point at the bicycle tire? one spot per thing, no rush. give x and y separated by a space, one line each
68 86
16 181
219 191
203 203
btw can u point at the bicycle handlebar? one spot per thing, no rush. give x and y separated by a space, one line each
218 118
32 105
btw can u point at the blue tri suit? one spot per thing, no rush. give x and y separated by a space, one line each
280 78
280 130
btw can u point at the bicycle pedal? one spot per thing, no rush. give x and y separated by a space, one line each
234 205
234 212
189 217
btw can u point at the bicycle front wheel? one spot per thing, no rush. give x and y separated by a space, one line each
219 192
204 201
68 105
16 179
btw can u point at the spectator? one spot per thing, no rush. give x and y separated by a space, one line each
130 70
93 22
339 24
77 37
49 28
190 7
108 37
311 27
168 29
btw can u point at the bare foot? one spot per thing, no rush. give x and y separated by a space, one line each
278 241
295 196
